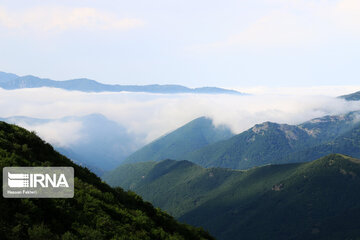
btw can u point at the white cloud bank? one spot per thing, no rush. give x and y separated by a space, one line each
153 115
45 19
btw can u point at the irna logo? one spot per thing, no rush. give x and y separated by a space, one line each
23 180
38 182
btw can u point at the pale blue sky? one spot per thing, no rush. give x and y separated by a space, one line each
229 43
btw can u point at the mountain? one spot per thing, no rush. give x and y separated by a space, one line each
101 144
12 81
312 200
347 143
190 137
97 211
274 143
352 97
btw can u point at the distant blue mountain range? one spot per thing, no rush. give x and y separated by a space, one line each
11 81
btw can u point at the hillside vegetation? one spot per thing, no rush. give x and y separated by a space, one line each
313 200
97 211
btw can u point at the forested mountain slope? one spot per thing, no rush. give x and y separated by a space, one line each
97 211
312 200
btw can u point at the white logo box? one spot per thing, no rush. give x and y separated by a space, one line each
38 182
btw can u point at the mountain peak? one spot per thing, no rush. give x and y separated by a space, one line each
265 126
190 137
5 77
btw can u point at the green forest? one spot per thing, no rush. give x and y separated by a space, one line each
312 200
97 211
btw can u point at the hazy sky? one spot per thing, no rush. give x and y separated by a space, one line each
229 43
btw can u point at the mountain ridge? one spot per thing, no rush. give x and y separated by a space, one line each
277 199
10 81
264 143
273 143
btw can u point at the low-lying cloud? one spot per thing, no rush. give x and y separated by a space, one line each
152 115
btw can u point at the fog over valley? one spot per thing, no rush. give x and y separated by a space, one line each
145 116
